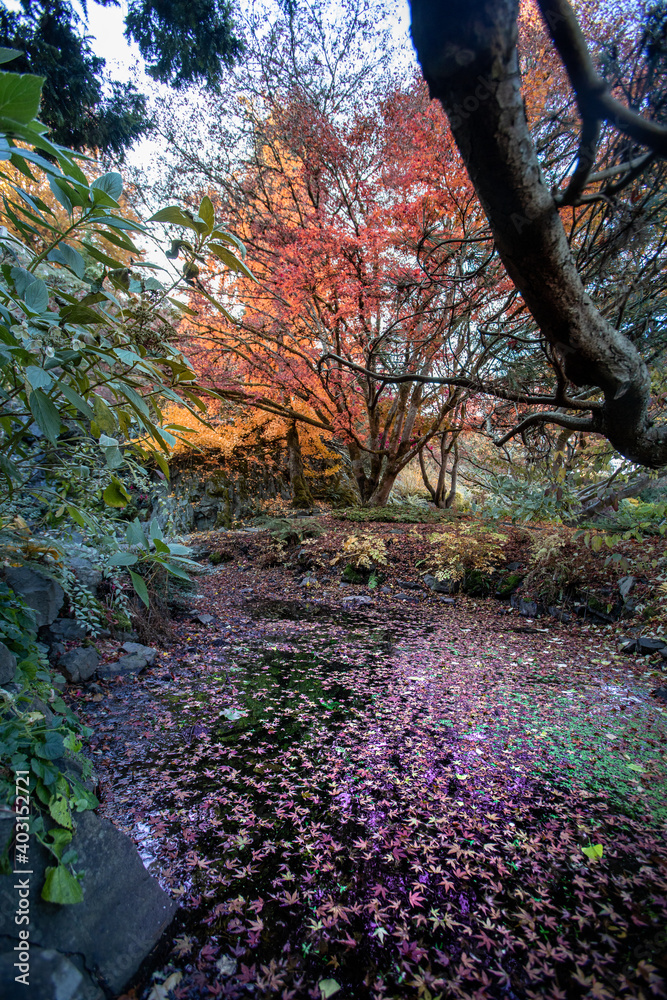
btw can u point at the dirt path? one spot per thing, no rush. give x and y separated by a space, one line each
394 800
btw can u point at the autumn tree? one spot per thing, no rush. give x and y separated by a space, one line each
367 244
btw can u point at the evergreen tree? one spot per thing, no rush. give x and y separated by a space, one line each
183 41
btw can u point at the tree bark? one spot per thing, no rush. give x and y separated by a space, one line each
301 495
468 54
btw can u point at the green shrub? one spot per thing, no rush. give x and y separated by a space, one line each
37 733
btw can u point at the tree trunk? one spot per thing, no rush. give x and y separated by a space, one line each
468 55
380 494
301 495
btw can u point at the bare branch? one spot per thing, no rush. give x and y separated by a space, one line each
547 417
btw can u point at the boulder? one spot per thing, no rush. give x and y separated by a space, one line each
133 663
122 916
79 664
67 629
528 609
660 694
44 595
148 652
357 599
647 644
52 976
406 597
7 664
625 585
86 572
440 586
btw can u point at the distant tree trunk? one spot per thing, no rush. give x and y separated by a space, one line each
301 495
439 495
450 499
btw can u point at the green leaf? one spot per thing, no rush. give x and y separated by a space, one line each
36 296
155 531
59 811
134 534
122 559
38 378
82 798
593 851
104 417
52 748
328 987
175 216
20 94
206 212
140 587
230 259
47 772
69 257
115 495
76 400
45 413
61 887
61 194
111 184
7 55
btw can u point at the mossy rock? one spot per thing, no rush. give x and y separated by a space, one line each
217 485
509 584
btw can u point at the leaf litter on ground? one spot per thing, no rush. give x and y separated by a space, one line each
401 802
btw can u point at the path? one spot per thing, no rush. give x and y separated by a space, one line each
401 800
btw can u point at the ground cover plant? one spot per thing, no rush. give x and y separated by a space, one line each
403 799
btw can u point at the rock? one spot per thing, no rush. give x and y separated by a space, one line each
440 586
56 650
446 600
246 591
385 590
44 595
86 572
204 619
133 663
526 608
561 616
52 976
625 585
660 694
67 628
408 585
647 644
123 914
7 664
79 664
308 581
627 645
357 599
148 652
406 597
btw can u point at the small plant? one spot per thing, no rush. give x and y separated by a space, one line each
471 549
362 551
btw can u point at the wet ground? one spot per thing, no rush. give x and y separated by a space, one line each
405 799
